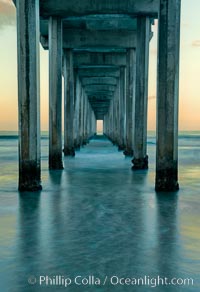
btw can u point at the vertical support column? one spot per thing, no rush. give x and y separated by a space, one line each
105 124
140 160
88 119
69 103
122 108
77 112
90 122
94 130
130 96
117 112
167 96
81 117
28 95
84 119
115 117
55 93
111 120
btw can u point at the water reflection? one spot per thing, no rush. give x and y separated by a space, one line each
98 231
29 251
168 236
99 218
55 177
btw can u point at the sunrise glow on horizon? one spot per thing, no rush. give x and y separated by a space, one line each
189 105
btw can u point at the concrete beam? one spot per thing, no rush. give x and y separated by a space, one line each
103 110
99 80
94 72
104 67
112 59
100 93
100 102
98 22
81 38
103 104
65 8
108 22
99 88
100 50
99 96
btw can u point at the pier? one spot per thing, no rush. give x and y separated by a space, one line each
101 48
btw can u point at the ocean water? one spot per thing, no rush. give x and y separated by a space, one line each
97 218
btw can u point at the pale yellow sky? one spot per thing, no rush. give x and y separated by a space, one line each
189 117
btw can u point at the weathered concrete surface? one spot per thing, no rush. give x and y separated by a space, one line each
167 99
99 80
102 22
130 97
97 22
109 59
97 72
107 50
140 160
85 113
81 38
111 121
122 108
116 114
101 95
68 103
64 8
55 93
77 104
81 115
99 88
28 95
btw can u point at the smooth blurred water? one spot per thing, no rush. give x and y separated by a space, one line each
98 217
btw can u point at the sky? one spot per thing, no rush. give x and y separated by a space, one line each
189 97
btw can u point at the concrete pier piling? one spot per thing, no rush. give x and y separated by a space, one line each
77 97
122 108
102 50
130 100
28 95
69 88
140 160
55 93
167 99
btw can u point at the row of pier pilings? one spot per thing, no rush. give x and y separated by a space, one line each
101 49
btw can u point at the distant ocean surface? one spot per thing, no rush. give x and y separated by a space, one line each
189 148
98 217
